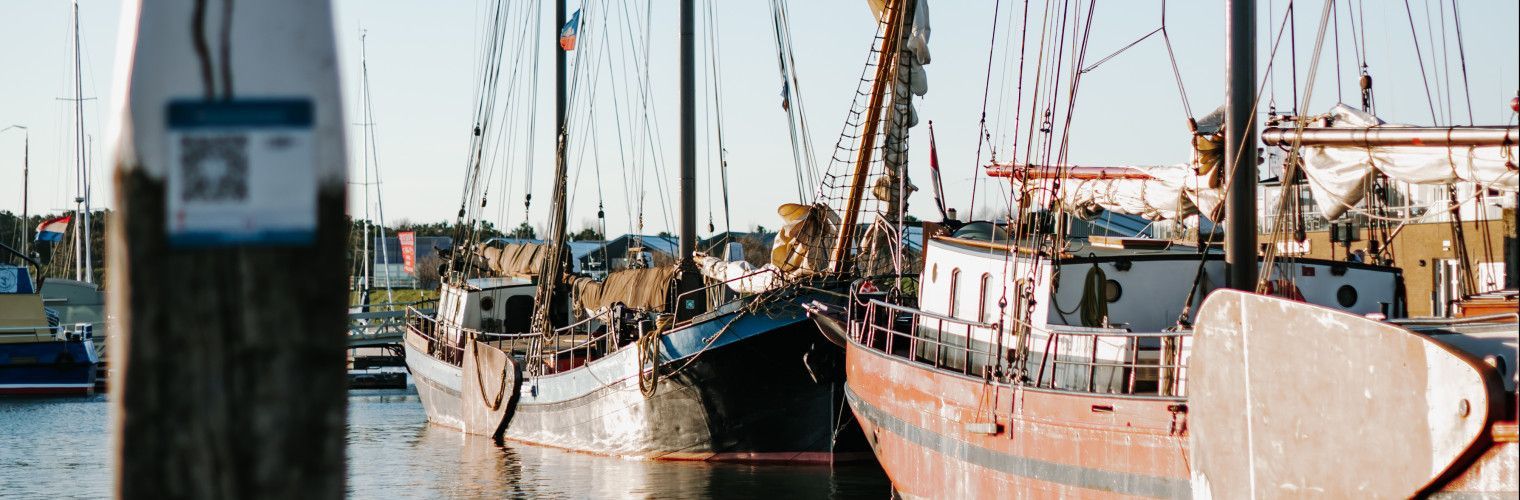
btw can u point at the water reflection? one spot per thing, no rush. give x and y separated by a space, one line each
392 453
60 448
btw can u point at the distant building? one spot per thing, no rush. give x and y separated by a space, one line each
636 249
390 271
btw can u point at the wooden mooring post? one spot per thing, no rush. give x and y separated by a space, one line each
226 263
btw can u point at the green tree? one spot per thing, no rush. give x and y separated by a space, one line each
524 231
587 234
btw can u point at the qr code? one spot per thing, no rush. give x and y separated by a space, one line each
214 168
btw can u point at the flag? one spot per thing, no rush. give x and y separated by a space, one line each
53 229
786 96
939 189
568 32
408 240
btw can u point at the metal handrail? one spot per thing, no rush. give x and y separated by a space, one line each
880 332
588 319
920 312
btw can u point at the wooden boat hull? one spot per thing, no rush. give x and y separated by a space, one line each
1288 397
944 435
742 386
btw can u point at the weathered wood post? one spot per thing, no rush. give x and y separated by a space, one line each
226 260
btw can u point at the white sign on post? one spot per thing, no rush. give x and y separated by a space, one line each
241 172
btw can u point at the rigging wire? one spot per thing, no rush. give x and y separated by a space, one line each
804 163
1424 77
1456 19
981 135
717 69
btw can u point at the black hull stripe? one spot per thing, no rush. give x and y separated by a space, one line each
1053 472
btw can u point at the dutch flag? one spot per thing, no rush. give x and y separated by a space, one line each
53 229
569 31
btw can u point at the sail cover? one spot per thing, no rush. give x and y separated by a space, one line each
1167 192
645 289
510 259
1339 175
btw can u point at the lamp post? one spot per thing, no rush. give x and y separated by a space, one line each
26 152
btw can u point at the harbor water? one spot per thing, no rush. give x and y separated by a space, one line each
60 448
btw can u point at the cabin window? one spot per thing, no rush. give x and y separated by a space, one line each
981 308
955 281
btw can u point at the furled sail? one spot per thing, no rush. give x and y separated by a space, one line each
1168 192
496 258
645 289
801 248
1338 174
880 246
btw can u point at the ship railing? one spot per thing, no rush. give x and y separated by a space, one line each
448 349
1110 361
566 347
895 329
1072 359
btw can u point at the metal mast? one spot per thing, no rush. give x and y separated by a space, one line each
556 236
549 273
688 148
1240 144
26 153
84 266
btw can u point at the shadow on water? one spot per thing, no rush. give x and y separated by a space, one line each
393 452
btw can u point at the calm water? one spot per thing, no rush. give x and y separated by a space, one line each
58 448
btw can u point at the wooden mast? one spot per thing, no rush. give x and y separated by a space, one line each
886 73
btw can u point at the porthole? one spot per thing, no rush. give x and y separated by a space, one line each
1112 291
486 303
1346 296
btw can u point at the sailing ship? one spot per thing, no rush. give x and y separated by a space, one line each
48 347
650 363
372 367
1023 367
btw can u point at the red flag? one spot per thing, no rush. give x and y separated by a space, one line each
408 241
939 189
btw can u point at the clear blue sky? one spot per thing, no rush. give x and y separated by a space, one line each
422 72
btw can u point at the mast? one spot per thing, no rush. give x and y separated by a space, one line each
372 162
559 80
559 204
688 145
84 267
549 273
1239 146
886 67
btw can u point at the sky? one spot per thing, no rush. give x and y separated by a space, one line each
422 61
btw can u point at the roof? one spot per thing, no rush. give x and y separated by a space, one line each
668 245
1112 224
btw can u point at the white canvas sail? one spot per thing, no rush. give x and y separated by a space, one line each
1338 175
1166 192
